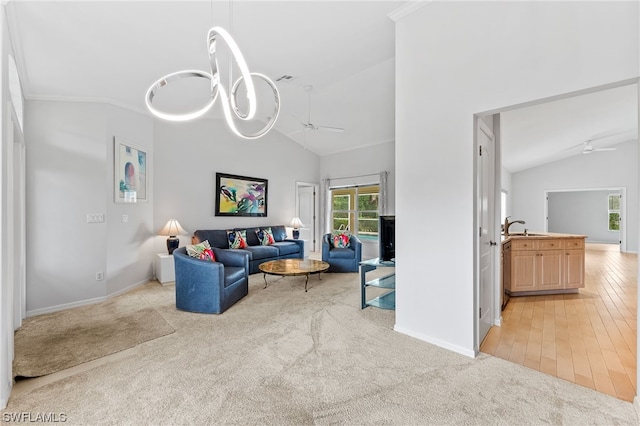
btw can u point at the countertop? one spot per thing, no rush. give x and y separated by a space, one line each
539 236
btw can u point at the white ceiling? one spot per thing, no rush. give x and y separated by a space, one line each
114 50
551 131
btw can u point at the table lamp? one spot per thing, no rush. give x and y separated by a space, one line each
171 229
296 223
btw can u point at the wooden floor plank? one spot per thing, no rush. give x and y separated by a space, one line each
588 337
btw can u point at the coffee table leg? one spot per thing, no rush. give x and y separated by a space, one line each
265 280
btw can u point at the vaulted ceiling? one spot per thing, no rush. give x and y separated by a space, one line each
113 51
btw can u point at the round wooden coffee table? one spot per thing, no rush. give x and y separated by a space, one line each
293 267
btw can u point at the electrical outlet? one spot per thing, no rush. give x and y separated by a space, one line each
99 276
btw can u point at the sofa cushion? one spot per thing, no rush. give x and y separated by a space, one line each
232 274
342 253
216 237
201 251
265 236
279 233
237 239
262 252
287 247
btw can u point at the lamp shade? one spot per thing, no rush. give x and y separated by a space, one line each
172 228
296 223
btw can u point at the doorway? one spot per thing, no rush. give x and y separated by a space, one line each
565 303
307 210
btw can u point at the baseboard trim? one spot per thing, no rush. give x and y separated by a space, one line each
64 306
446 345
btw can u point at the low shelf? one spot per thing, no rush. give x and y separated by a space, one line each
383 301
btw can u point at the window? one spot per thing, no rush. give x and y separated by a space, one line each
614 212
357 209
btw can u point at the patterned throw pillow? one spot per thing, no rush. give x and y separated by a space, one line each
265 236
237 239
341 240
201 251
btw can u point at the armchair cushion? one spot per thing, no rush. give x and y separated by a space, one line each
341 240
201 251
342 253
342 259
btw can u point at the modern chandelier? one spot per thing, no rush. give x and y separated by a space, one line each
229 100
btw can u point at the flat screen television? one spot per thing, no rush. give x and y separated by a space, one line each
387 237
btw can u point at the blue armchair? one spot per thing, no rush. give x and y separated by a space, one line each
210 287
342 259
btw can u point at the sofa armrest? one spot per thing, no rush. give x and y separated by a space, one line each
300 243
357 246
326 246
190 268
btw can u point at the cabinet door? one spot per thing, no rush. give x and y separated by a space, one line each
549 268
574 269
523 274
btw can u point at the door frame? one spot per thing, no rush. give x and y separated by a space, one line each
316 209
495 236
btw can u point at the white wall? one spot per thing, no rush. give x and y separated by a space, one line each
70 175
364 161
598 170
454 60
582 213
6 286
187 157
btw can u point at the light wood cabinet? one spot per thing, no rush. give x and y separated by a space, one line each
542 265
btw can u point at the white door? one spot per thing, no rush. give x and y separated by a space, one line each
306 213
486 220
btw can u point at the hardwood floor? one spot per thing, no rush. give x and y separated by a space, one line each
587 338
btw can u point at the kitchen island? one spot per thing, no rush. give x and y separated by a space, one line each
542 263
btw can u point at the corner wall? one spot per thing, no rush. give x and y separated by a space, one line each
454 60
70 175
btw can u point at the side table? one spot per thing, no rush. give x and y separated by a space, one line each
165 268
388 282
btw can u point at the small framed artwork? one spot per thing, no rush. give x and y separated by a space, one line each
240 195
131 183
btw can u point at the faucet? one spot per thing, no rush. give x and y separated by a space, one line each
507 224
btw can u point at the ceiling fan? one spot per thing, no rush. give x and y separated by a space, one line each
588 148
308 125
612 136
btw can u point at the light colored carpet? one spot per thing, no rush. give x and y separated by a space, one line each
282 356
60 340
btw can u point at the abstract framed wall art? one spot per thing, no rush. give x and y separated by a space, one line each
241 195
131 183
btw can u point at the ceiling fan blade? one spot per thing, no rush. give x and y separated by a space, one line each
298 120
589 149
330 129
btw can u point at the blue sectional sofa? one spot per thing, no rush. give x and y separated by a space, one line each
283 248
